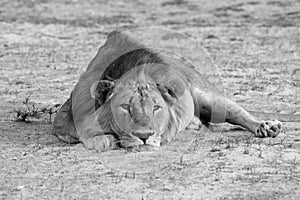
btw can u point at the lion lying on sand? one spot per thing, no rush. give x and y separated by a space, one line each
131 95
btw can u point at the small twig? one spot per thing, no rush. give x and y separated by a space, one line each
32 111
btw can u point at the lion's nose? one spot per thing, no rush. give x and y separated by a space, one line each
143 136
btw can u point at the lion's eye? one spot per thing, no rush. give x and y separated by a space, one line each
156 107
125 107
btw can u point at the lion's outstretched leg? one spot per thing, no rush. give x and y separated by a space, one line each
237 115
63 125
217 109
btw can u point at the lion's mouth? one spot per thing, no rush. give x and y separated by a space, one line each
140 139
143 136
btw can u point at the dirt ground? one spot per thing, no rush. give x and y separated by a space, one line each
255 45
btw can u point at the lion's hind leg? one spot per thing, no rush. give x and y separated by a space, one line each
216 108
237 115
63 125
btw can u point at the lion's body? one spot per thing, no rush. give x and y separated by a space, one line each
143 97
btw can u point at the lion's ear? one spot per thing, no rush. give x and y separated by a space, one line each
167 93
171 90
102 90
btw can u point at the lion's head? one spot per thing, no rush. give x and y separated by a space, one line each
139 108
139 113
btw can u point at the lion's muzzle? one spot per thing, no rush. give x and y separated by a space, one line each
143 136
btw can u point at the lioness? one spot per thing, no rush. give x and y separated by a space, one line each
131 95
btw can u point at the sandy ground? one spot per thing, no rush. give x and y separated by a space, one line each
255 45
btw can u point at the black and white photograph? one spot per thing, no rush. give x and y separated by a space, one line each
162 99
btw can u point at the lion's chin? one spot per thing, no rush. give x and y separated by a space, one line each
154 141
132 141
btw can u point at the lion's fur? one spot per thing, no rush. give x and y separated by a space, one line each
83 104
117 44
173 84
119 55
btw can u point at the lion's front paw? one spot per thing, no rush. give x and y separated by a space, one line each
268 129
101 142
